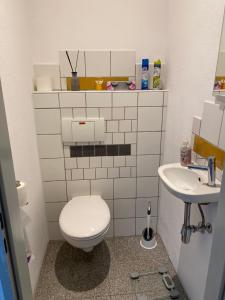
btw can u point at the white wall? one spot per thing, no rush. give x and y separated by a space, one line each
72 24
16 75
193 43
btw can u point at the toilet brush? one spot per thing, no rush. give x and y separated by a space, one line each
148 240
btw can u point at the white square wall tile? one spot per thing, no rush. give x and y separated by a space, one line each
73 99
196 125
142 206
147 187
141 224
108 138
130 138
52 169
92 112
89 173
65 69
66 113
149 142
119 161
147 165
124 227
95 162
53 210
54 231
113 172
212 114
131 161
79 112
48 121
71 163
78 174
131 113
97 63
133 171
150 98
49 100
83 162
55 191
112 126
134 125
68 174
107 161
124 208
96 99
133 149
125 172
118 113
78 188
50 146
125 125
149 118
125 188
164 118
222 135
101 173
124 99
106 113
102 187
66 151
118 138
123 62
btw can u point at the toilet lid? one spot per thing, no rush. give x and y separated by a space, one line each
84 217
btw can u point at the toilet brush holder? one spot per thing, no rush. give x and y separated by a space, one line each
148 241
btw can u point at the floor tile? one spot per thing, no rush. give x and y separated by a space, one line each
104 274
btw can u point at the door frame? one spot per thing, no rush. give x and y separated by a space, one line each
216 272
11 211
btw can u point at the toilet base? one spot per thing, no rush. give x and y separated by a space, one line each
86 245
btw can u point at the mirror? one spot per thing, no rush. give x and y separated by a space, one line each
219 83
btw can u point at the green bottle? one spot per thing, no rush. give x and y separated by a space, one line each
156 81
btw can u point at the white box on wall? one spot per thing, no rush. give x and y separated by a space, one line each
82 130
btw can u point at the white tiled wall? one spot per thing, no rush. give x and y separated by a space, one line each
127 183
99 63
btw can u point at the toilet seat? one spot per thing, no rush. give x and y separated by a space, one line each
85 217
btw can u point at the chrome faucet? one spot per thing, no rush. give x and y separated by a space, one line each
211 168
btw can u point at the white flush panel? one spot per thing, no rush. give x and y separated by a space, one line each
82 130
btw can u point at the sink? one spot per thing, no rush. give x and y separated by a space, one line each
189 185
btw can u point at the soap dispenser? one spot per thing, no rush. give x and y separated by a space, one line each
185 154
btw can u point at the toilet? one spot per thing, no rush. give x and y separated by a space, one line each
84 221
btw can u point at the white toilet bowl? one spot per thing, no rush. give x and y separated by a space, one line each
84 221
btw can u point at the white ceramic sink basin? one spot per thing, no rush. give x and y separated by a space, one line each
189 185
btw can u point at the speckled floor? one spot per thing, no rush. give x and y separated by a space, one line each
69 273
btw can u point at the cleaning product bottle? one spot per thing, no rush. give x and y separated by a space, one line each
156 82
185 154
145 74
